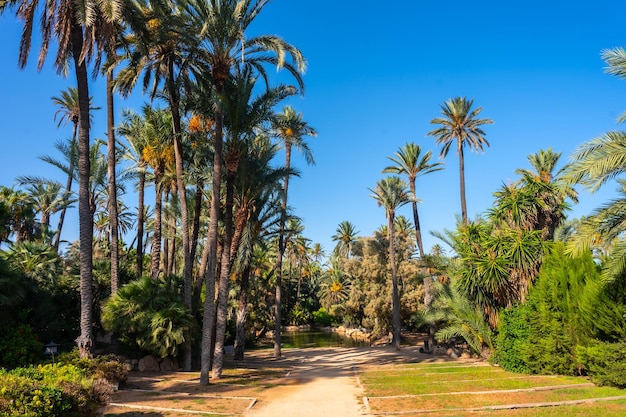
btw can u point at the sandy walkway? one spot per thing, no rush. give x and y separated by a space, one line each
325 383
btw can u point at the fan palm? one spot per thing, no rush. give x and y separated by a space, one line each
391 193
461 125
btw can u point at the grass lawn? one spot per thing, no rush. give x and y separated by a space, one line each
478 389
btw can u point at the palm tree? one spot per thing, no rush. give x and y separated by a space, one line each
290 129
346 235
68 111
594 164
75 33
460 123
132 129
243 116
462 318
409 161
549 189
391 193
221 27
48 199
258 208
20 214
158 50
318 252
335 285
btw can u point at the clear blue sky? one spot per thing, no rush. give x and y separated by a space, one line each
378 73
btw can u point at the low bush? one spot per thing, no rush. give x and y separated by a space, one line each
604 362
107 367
51 390
322 317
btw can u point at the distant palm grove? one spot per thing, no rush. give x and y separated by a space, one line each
188 244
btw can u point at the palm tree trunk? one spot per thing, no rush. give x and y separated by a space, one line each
195 231
165 233
279 260
420 246
140 223
182 196
395 296
68 185
209 306
222 296
204 259
462 185
416 220
111 163
155 255
242 314
85 340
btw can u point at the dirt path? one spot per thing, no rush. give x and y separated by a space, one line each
325 383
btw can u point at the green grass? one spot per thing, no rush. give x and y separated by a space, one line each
451 389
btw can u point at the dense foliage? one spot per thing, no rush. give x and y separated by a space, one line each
566 310
150 314
52 390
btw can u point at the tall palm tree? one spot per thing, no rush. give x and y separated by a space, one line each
345 236
290 130
158 49
243 117
74 27
132 129
68 112
391 193
461 125
409 161
223 45
150 134
258 209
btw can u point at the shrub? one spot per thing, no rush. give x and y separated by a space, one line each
322 317
604 362
51 390
19 346
150 314
299 316
107 367
513 331
566 307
